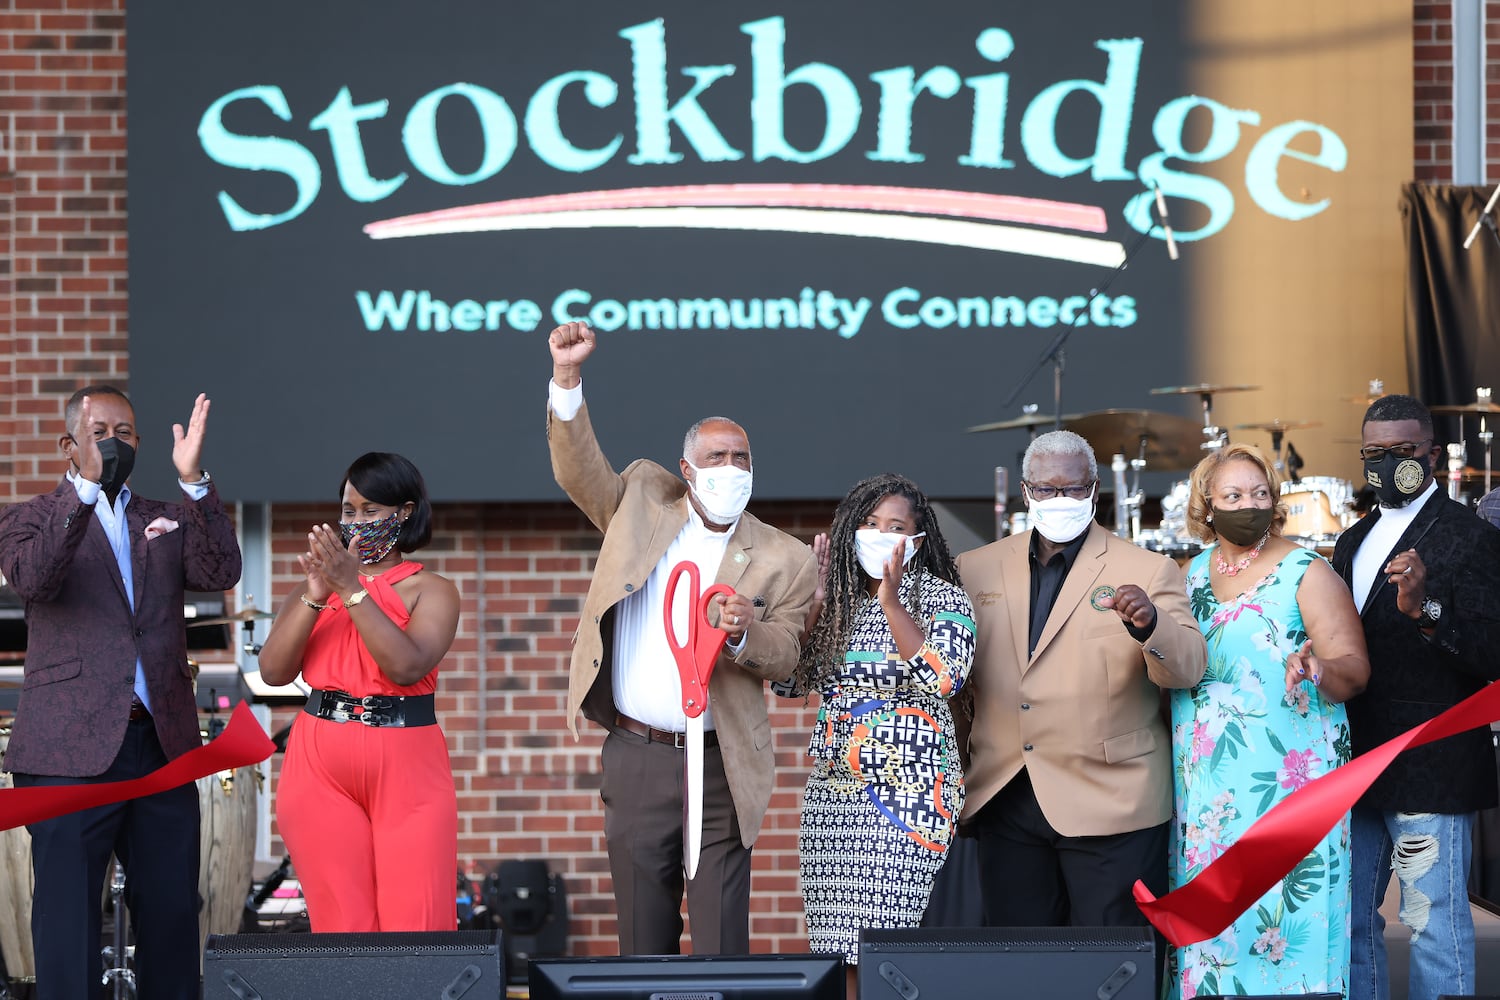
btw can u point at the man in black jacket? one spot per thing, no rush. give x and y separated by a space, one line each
1421 568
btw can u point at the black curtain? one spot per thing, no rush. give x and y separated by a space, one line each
1452 303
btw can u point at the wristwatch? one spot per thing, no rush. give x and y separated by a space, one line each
356 597
1432 612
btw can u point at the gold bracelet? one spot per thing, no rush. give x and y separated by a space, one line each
313 604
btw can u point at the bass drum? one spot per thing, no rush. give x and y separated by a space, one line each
15 893
227 817
1319 508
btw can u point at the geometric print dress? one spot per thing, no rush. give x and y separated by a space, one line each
879 808
1240 745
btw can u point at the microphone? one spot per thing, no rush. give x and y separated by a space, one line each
1166 221
1294 463
1488 207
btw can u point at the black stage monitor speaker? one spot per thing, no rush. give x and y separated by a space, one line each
1016 963
689 977
396 965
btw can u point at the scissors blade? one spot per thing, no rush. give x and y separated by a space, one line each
692 827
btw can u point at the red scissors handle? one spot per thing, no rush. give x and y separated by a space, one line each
695 657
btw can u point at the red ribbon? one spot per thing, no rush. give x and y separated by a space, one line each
1274 844
242 743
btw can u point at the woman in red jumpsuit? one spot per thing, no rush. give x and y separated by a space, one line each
366 804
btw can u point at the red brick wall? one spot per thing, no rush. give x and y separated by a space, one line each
526 789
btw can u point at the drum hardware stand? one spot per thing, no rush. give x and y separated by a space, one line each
1455 469
1214 436
120 973
1485 220
1054 352
1128 503
1482 397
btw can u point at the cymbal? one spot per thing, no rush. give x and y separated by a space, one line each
1485 407
1024 420
243 615
1200 390
1279 426
1172 442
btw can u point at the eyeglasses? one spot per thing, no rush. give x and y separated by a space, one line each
1040 491
1403 450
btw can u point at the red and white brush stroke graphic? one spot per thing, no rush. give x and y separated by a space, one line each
1005 223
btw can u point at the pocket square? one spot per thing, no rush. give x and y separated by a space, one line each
160 526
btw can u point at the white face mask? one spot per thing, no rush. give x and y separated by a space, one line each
723 491
873 549
1060 519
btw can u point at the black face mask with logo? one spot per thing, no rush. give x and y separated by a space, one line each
1397 481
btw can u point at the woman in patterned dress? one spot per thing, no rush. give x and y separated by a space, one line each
1285 650
891 640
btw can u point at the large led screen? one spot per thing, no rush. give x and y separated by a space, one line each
853 227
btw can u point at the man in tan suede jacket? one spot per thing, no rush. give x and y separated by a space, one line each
624 678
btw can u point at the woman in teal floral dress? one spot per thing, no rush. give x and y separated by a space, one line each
1285 650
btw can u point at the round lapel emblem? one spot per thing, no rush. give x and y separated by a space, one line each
1100 594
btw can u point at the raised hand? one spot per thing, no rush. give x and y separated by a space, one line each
571 344
187 446
824 556
85 449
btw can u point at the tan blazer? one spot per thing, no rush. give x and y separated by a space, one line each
1083 715
640 512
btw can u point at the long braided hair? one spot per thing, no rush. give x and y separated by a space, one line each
823 653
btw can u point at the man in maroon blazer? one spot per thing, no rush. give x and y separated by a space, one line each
108 692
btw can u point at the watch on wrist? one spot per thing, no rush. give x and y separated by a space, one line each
356 597
1432 613
203 479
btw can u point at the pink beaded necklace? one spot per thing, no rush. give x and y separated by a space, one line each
1236 568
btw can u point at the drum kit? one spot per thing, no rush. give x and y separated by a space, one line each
1319 507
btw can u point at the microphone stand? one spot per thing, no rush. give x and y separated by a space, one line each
1054 352
1484 217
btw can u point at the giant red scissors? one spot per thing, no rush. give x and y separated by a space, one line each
695 665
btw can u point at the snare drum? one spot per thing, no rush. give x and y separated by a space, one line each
1319 508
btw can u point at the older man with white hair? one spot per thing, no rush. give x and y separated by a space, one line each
1069 777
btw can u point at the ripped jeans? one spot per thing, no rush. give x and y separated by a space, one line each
1429 853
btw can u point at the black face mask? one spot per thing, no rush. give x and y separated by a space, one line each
1245 526
1397 481
119 462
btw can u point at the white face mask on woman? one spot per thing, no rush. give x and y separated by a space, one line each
723 491
1060 520
873 549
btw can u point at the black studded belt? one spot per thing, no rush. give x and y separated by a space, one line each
385 710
